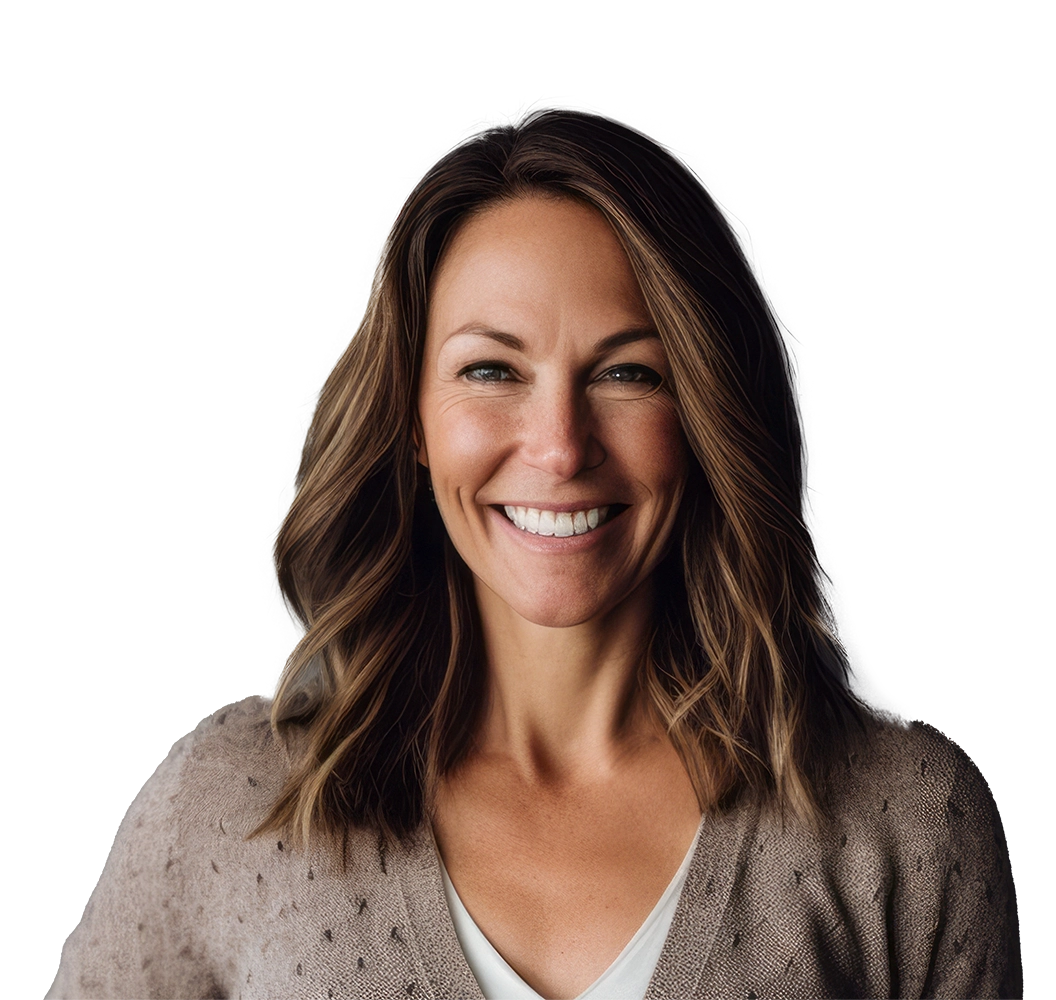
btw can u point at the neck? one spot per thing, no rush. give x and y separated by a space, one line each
565 701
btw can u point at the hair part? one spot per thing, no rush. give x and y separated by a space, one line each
744 667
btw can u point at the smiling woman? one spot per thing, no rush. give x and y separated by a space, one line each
554 449
569 717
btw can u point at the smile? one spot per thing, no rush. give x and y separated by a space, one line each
559 523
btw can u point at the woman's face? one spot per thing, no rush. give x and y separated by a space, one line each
554 447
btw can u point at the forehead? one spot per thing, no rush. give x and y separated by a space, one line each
538 262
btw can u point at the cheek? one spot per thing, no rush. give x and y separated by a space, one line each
460 442
654 446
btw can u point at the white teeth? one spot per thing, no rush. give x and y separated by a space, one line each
563 527
561 524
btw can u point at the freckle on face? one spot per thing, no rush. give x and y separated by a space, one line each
529 289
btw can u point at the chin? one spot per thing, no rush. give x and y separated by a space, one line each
560 608
562 616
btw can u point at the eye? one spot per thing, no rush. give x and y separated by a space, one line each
486 371
633 373
629 381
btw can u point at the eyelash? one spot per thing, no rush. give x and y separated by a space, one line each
474 373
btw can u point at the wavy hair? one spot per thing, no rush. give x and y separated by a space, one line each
744 667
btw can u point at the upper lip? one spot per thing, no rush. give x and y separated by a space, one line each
557 508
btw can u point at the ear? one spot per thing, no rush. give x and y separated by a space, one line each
418 437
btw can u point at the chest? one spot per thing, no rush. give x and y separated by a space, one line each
757 914
560 883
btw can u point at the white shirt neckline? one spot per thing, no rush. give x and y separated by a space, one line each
627 978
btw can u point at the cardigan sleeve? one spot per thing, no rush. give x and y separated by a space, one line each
976 949
135 938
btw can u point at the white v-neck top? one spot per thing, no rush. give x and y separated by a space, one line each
626 979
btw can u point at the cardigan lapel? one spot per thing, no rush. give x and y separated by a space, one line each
717 861
446 969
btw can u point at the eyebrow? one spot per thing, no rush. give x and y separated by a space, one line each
609 343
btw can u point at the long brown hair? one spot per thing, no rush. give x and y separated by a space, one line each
744 667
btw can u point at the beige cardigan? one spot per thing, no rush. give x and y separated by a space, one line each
907 893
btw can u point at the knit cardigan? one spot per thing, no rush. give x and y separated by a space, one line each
906 892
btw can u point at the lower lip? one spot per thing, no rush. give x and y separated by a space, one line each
551 543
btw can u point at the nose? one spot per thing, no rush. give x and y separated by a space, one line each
558 433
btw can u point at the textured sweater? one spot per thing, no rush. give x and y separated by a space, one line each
906 892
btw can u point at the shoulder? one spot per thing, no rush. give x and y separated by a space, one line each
905 887
143 932
911 813
232 764
228 765
188 904
219 780
913 771
237 732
